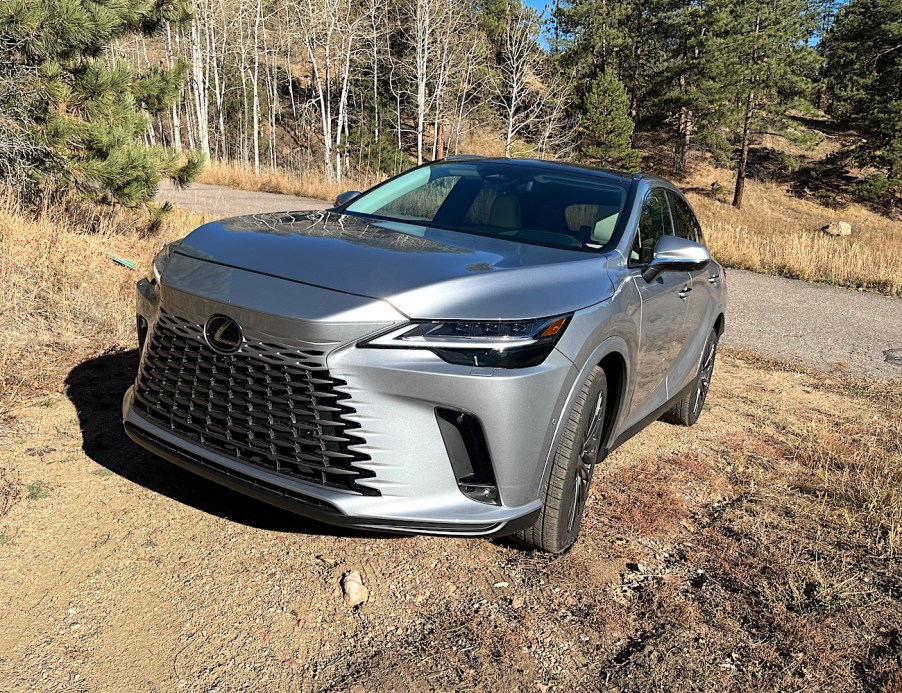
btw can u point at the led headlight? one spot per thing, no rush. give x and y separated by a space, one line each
160 261
490 343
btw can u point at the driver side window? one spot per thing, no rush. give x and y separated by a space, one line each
654 222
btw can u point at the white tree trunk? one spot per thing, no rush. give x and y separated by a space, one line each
255 85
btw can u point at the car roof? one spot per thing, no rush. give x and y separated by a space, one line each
601 171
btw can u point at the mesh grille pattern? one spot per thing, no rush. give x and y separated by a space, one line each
272 406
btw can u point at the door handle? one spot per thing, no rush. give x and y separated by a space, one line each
684 294
714 278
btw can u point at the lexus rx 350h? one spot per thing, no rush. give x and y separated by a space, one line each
452 351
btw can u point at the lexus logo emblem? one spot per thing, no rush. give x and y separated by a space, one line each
223 334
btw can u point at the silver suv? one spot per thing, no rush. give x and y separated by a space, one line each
450 352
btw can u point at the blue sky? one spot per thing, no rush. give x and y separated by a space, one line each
539 5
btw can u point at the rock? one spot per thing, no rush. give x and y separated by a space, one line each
838 228
353 589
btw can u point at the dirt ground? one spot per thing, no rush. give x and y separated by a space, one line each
759 550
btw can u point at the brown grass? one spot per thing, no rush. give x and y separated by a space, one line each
775 233
61 296
308 184
703 564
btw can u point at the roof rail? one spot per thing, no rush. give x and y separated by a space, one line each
463 157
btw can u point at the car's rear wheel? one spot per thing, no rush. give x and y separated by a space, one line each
567 489
686 411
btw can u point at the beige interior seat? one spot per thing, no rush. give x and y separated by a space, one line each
505 213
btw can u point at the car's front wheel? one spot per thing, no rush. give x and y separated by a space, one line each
567 489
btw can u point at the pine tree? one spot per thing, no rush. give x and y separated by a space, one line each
77 116
760 66
606 127
863 52
678 103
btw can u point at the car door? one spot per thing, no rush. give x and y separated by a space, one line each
701 301
662 330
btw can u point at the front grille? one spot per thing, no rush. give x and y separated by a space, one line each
270 406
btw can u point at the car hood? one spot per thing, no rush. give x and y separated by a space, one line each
423 272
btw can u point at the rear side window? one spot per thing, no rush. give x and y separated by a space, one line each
654 222
686 225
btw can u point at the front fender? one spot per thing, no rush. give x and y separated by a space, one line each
614 344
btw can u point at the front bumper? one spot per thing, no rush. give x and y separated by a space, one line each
394 394
303 499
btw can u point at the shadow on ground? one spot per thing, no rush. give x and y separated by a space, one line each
96 388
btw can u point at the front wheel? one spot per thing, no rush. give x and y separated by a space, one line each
687 410
567 489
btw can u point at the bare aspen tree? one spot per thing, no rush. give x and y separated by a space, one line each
396 86
378 29
418 24
175 123
474 54
255 85
429 28
332 38
198 85
519 74
555 135
243 73
446 42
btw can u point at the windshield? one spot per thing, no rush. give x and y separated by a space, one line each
514 201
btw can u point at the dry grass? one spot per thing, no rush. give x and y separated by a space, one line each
775 233
308 184
61 296
754 552
774 565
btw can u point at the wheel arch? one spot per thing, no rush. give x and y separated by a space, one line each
614 366
611 356
720 324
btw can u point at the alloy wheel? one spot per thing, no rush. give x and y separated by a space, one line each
704 377
588 455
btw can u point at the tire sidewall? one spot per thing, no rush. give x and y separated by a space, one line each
570 454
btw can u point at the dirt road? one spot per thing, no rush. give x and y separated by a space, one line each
816 325
218 202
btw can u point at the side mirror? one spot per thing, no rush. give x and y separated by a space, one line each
674 254
346 197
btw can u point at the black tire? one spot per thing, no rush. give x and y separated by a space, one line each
687 410
567 488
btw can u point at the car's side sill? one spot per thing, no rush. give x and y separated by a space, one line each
651 418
